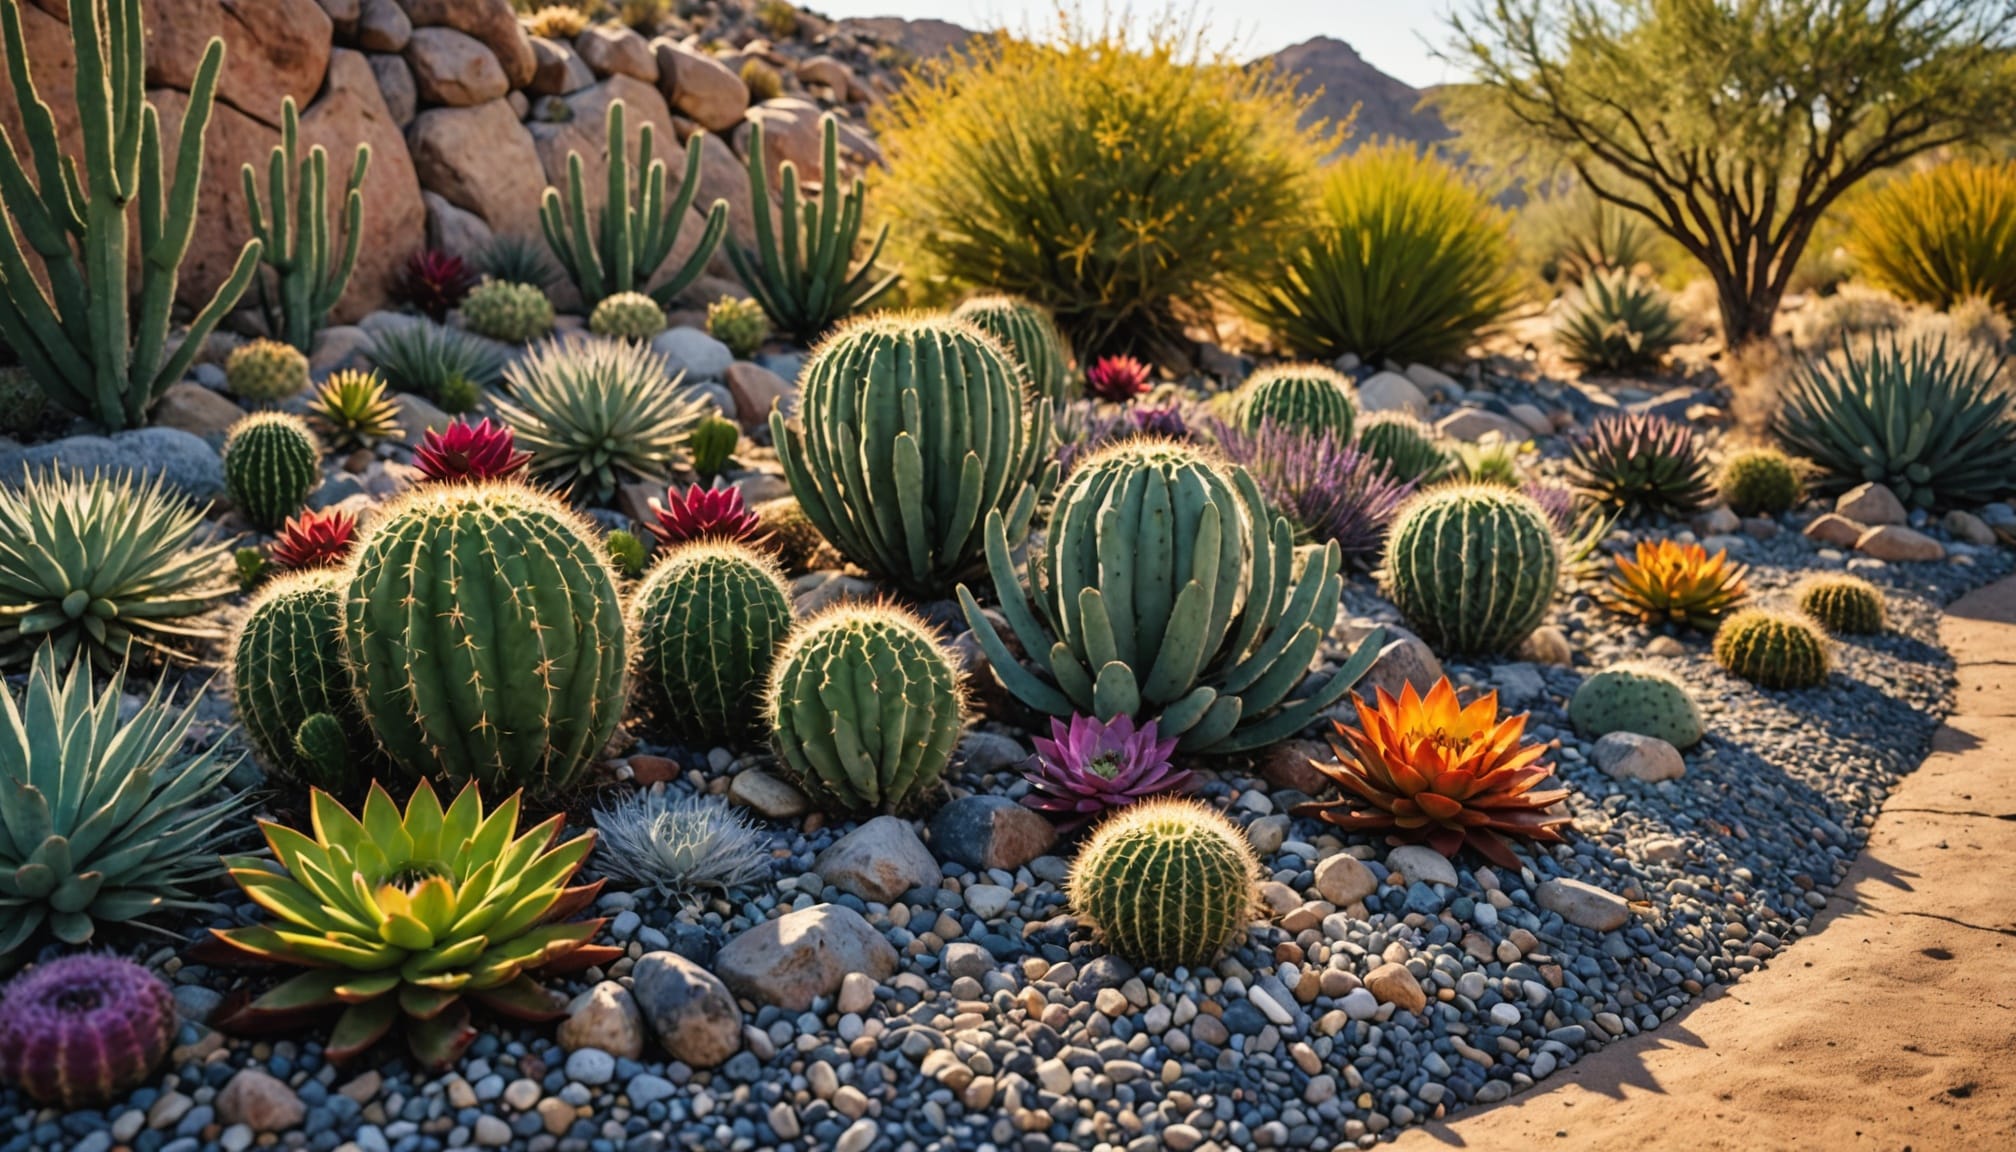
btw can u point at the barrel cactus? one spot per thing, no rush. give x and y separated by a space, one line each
709 619
1844 605
1306 396
740 324
913 429
513 313
865 708
81 1031
1406 446
265 370
627 316
1760 482
1030 336
1773 649
484 636
287 666
1166 882
1472 567
271 464
1637 698
1168 592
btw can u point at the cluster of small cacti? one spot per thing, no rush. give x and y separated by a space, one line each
265 370
1641 699
512 313
1773 649
271 465
1472 567
627 316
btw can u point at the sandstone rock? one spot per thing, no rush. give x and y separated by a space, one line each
353 111
396 87
275 49
826 70
1583 904
613 50
198 411
1871 504
724 176
454 68
1392 392
879 861
1343 879
1473 424
984 832
560 70
691 1011
1839 531
790 132
1406 659
258 1100
803 955
1420 862
494 22
1969 528
383 26
482 159
1548 644
1630 756
234 140
1394 984
756 389
605 1017
767 795
453 229
1896 542
699 86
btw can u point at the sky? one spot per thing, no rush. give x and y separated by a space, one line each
1394 35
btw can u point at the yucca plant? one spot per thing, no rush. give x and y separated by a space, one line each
596 414
1401 259
409 914
1615 322
92 564
1670 582
1926 420
102 820
447 367
1940 235
1638 465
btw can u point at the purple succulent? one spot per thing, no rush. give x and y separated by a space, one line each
1167 420
1087 767
1324 486
83 1030
1084 426
1557 501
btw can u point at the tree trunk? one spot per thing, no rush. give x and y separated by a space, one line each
1748 309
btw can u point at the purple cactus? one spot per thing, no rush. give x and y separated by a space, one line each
83 1030
1324 487
1087 767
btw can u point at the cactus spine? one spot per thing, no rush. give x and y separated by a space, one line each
709 619
1310 397
631 238
1166 882
295 241
1030 337
271 464
485 638
1472 567
1640 699
1844 605
1772 649
287 667
80 339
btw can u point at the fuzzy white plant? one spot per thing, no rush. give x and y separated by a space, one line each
680 845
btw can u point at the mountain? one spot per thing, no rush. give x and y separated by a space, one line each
923 39
1386 107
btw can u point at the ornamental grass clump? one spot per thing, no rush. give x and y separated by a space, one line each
1443 773
1167 883
81 1031
1673 583
1940 235
448 367
597 415
709 619
1088 766
679 845
1641 466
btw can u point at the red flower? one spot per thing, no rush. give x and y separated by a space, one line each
704 513
480 451
1118 378
315 540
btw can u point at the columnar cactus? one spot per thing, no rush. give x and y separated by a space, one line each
1306 396
1030 336
513 313
1773 649
287 666
1167 591
627 316
1637 698
865 708
913 429
1166 882
1844 605
265 370
295 241
1472 567
83 1030
485 637
271 465
709 619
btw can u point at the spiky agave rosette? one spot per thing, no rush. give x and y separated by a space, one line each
1088 766
1436 771
411 914
1671 582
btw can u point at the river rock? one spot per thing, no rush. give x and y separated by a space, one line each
605 1017
1871 505
879 861
983 831
1896 542
1582 904
690 1010
803 955
1630 756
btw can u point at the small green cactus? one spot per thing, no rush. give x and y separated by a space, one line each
1472 567
711 443
627 316
265 370
1166 882
1773 649
709 620
1309 397
322 742
1844 605
865 708
271 465
287 666
626 551
1406 446
512 313
251 566
1031 339
1637 698
740 324
1760 482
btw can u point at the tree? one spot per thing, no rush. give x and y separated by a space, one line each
1732 125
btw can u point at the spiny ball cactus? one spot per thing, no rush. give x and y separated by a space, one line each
1166 882
286 666
265 370
790 535
711 443
1844 605
740 324
1030 337
513 313
709 620
1641 699
1773 649
1306 396
1472 567
865 708
1406 446
1760 482
271 464
485 637
627 316
84 1030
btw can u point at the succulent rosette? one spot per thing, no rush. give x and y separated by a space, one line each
315 540
435 282
1088 766
479 451
1677 583
704 514
1118 378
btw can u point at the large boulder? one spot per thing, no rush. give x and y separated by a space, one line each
699 86
273 49
353 111
725 176
454 68
483 160
613 50
561 70
383 26
396 87
181 459
494 22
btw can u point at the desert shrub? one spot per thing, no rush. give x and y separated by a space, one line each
1854 311
1940 235
762 81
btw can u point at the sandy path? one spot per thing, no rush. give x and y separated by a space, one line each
1891 1027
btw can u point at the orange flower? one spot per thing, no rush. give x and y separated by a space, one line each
1675 582
1445 773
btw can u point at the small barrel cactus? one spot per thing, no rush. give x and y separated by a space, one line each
627 316
1760 482
1406 446
286 666
271 465
83 1030
1641 699
513 313
1472 567
1306 396
1166 882
1773 649
484 635
740 324
709 620
865 708
711 443
265 370
1031 339
790 535
1844 605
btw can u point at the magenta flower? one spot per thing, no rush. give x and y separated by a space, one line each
704 513
479 451
1087 767
1118 378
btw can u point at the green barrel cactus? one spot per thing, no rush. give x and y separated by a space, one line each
711 443
286 667
1773 649
1844 605
1641 699
265 370
709 619
740 324
865 708
1406 446
1760 482
1166 882
1309 397
271 465
1169 592
485 637
1472 567
913 429
627 316
512 313
1031 338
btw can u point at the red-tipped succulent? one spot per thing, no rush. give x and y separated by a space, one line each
84 1030
434 282
704 513
1087 767
1118 378
315 540
465 451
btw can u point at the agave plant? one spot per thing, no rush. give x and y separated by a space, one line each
1436 771
1088 766
465 451
351 410
680 845
315 540
1639 465
93 564
407 914
448 367
702 513
1677 583
102 821
1616 321
1325 488
595 414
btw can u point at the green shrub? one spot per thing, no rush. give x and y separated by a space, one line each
740 324
1640 699
1472 567
1844 605
596 415
265 370
1940 235
271 465
512 313
1166 883
1309 397
1851 313
1400 258
1760 482
709 619
1030 338
627 316
447 367
286 666
1773 649
762 80
1616 322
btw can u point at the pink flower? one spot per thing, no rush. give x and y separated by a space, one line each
480 451
1087 767
1118 378
704 513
